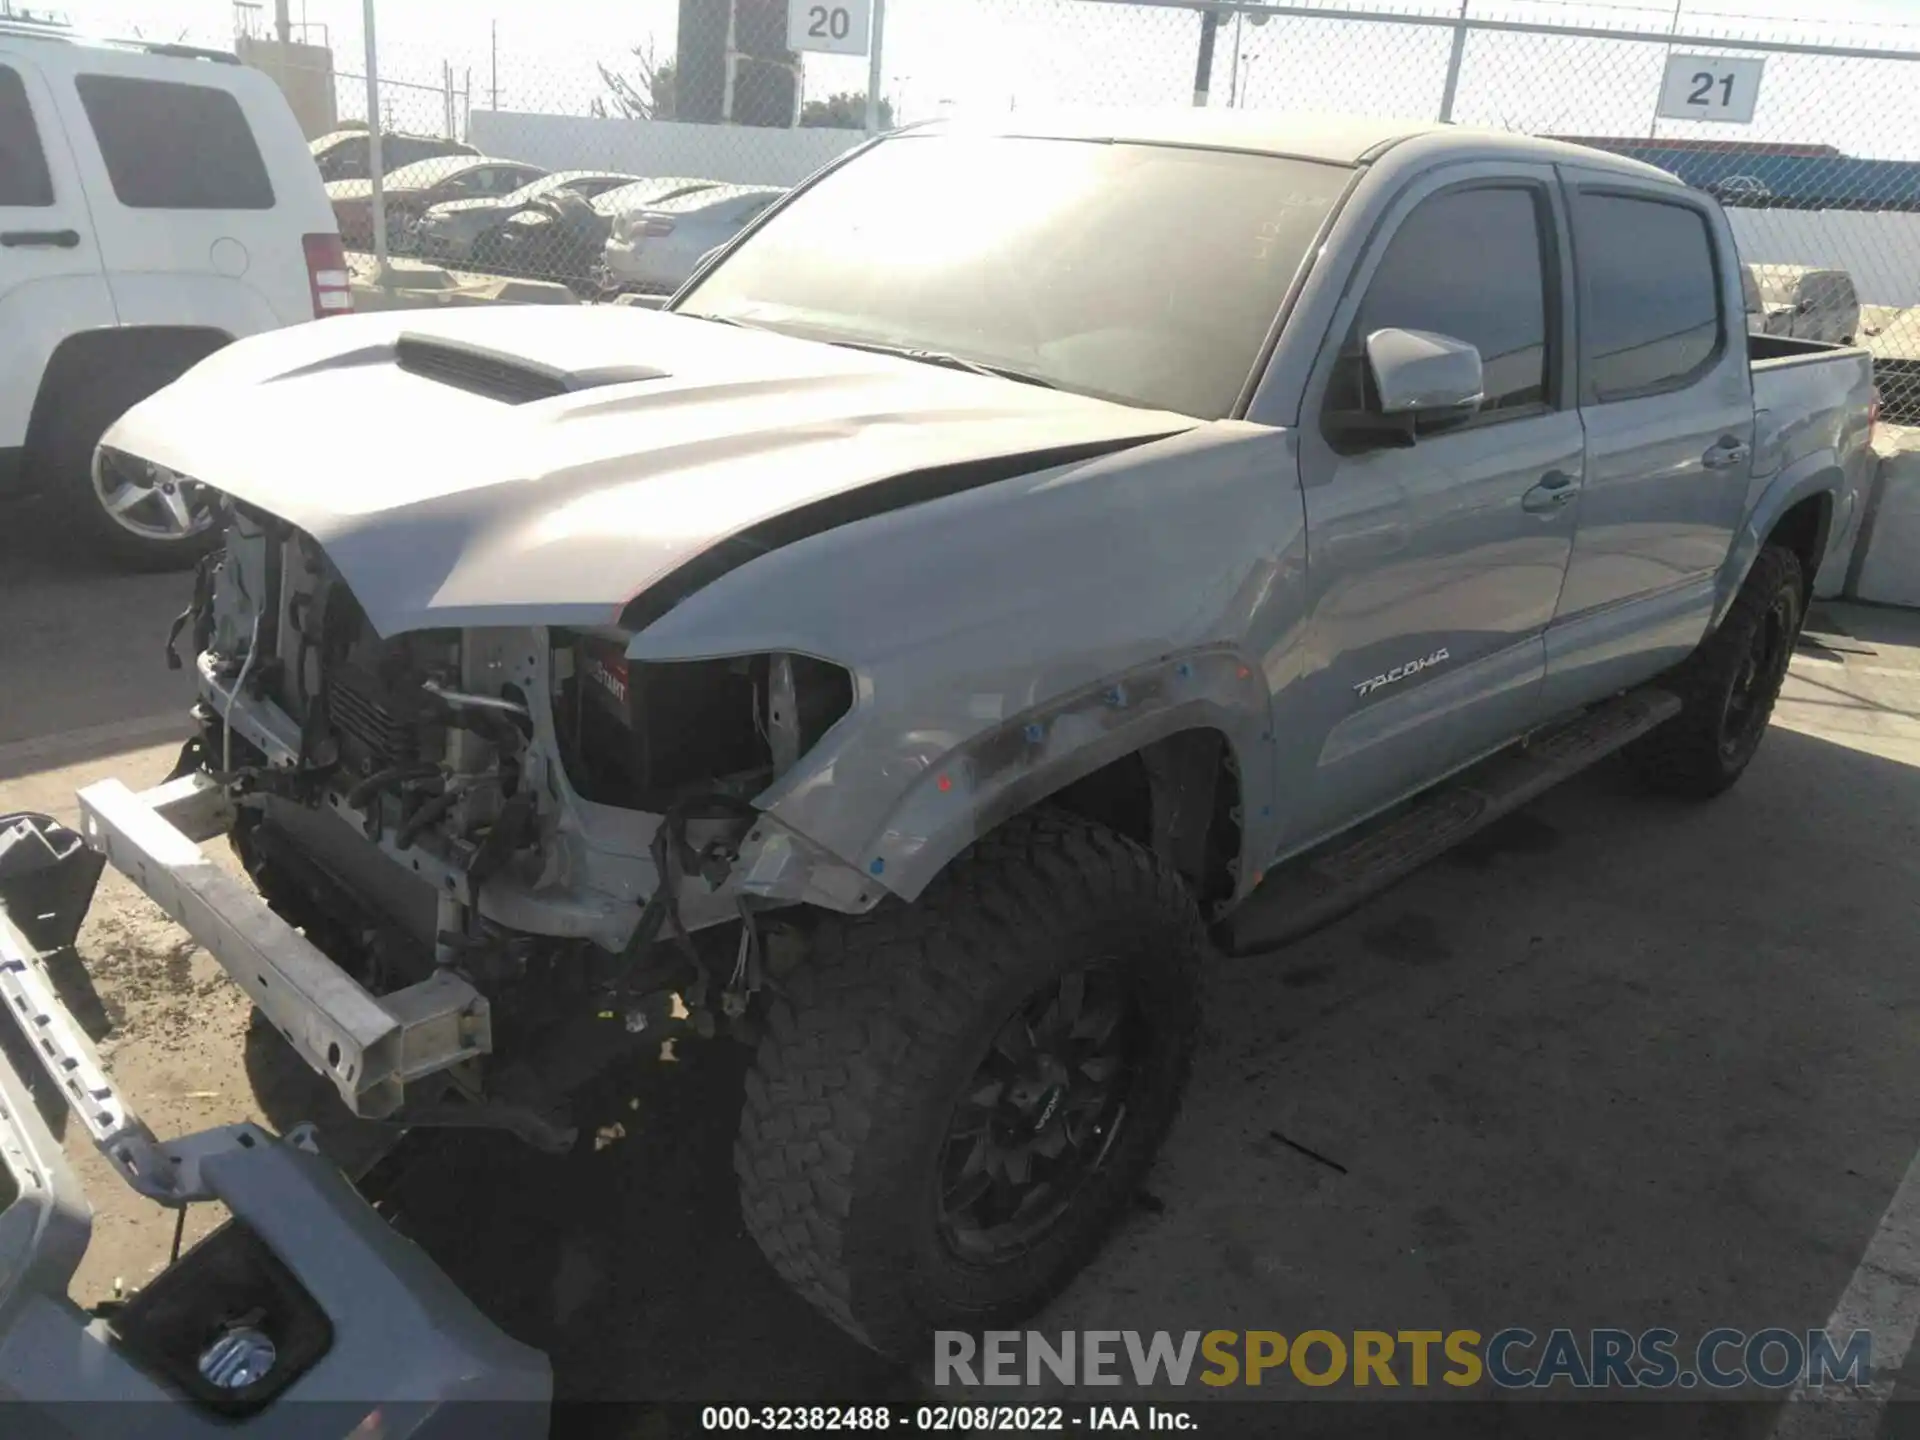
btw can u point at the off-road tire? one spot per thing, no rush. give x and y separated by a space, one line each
1692 755
63 455
885 1021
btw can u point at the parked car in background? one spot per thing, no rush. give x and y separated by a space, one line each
472 229
414 189
155 203
1891 334
1754 303
561 236
1807 303
347 154
653 251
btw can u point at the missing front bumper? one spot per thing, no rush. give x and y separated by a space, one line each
372 1048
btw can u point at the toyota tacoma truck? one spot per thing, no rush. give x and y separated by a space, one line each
1022 560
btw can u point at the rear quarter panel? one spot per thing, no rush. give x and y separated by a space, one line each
1811 434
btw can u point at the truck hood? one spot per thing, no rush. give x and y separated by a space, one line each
546 465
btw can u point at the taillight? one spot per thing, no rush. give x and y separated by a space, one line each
327 275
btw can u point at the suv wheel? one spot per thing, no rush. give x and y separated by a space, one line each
1728 686
956 1099
118 506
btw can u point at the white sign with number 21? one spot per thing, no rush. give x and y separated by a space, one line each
837 26
1710 87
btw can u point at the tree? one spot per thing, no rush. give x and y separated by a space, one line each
647 95
845 111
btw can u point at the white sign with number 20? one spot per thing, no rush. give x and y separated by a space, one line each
838 27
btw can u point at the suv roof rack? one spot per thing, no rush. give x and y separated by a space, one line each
45 30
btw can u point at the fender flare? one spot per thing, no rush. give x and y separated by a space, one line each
1817 473
1013 766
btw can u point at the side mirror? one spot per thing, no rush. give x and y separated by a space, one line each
1415 383
1420 376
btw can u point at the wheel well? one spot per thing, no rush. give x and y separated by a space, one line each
165 352
1803 530
1180 798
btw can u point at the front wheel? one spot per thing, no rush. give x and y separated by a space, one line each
1728 686
956 1099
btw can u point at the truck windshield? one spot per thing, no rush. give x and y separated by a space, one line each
1148 274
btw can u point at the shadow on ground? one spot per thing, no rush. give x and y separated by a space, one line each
82 650
1619 1062
625 1260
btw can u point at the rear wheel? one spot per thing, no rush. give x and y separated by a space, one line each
1728 687
141 517
956 1099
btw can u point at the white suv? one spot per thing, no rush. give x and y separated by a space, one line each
155 203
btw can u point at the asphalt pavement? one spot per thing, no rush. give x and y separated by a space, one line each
1620 1062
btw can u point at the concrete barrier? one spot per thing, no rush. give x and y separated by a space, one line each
416 285
1886 562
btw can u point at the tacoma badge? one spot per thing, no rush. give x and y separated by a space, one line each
1400 672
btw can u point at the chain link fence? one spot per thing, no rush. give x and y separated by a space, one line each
548 145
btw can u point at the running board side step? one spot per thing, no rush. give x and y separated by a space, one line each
1321 886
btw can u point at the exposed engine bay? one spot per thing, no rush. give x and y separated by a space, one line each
562 827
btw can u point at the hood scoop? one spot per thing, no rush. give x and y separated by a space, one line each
510 379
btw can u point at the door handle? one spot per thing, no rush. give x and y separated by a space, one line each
59 239
1725 454
1555 489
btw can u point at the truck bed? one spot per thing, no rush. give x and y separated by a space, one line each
1807 396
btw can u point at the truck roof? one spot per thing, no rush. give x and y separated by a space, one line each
12 28
1333 139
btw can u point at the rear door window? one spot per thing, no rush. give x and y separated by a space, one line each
1650 295
169 146
24 178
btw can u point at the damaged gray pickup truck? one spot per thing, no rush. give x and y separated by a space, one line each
1022 560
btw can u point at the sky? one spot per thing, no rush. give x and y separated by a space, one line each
940 55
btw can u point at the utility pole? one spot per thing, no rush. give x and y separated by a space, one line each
1454 57
1233 83
1653 125
1203 69
874 76
376 168
282 22
496 64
